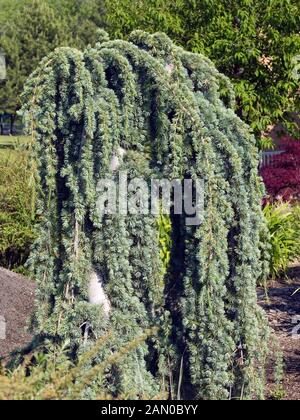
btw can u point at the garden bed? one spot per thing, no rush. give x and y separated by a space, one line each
282 308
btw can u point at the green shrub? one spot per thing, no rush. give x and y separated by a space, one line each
284 226
17 212
50 372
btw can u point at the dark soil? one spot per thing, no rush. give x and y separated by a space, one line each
283 310
16 305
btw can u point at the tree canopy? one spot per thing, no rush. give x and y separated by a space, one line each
31 29
253 42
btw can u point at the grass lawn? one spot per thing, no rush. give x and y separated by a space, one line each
10 141
7 155
11 148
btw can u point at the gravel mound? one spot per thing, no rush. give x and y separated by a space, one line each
16 305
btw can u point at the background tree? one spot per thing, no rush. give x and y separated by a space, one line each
84 18
28 34
31 29
251 41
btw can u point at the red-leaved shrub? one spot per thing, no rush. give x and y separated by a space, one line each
282 177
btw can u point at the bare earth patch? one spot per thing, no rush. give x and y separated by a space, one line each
283 310
16 305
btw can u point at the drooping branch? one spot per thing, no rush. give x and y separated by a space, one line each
167 111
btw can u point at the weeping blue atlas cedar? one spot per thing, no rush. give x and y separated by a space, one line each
172 113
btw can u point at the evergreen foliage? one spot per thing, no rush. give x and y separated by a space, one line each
52 374
173 113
